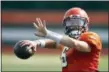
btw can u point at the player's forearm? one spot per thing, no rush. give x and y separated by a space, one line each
64 40
50 44
69 42
73 43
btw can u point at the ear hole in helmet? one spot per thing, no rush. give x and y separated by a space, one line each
64 21
85 26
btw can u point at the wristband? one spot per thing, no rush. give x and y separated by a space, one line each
41 43
54 36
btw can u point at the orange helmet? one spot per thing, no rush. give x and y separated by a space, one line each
75 18
77 11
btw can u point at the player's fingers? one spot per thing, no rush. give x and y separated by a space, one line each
30 46
29 49
44 23
41 23
34 49
38 22
21 43
35 25
24 44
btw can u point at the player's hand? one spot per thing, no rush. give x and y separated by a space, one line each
31 45
40 26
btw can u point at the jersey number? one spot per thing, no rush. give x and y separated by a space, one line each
63 57
64 61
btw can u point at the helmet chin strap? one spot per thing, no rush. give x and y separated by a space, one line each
75 34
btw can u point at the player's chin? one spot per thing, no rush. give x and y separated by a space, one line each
23 52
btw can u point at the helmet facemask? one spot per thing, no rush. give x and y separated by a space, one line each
74 26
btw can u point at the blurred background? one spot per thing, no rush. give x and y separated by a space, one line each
17 18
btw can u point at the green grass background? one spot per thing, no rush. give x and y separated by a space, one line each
40 62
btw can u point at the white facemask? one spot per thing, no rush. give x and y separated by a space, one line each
75 34
73 26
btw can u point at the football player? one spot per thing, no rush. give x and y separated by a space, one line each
80 47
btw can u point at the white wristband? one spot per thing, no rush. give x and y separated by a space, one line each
41 42
54 36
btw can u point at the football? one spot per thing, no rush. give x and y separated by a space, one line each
22 52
